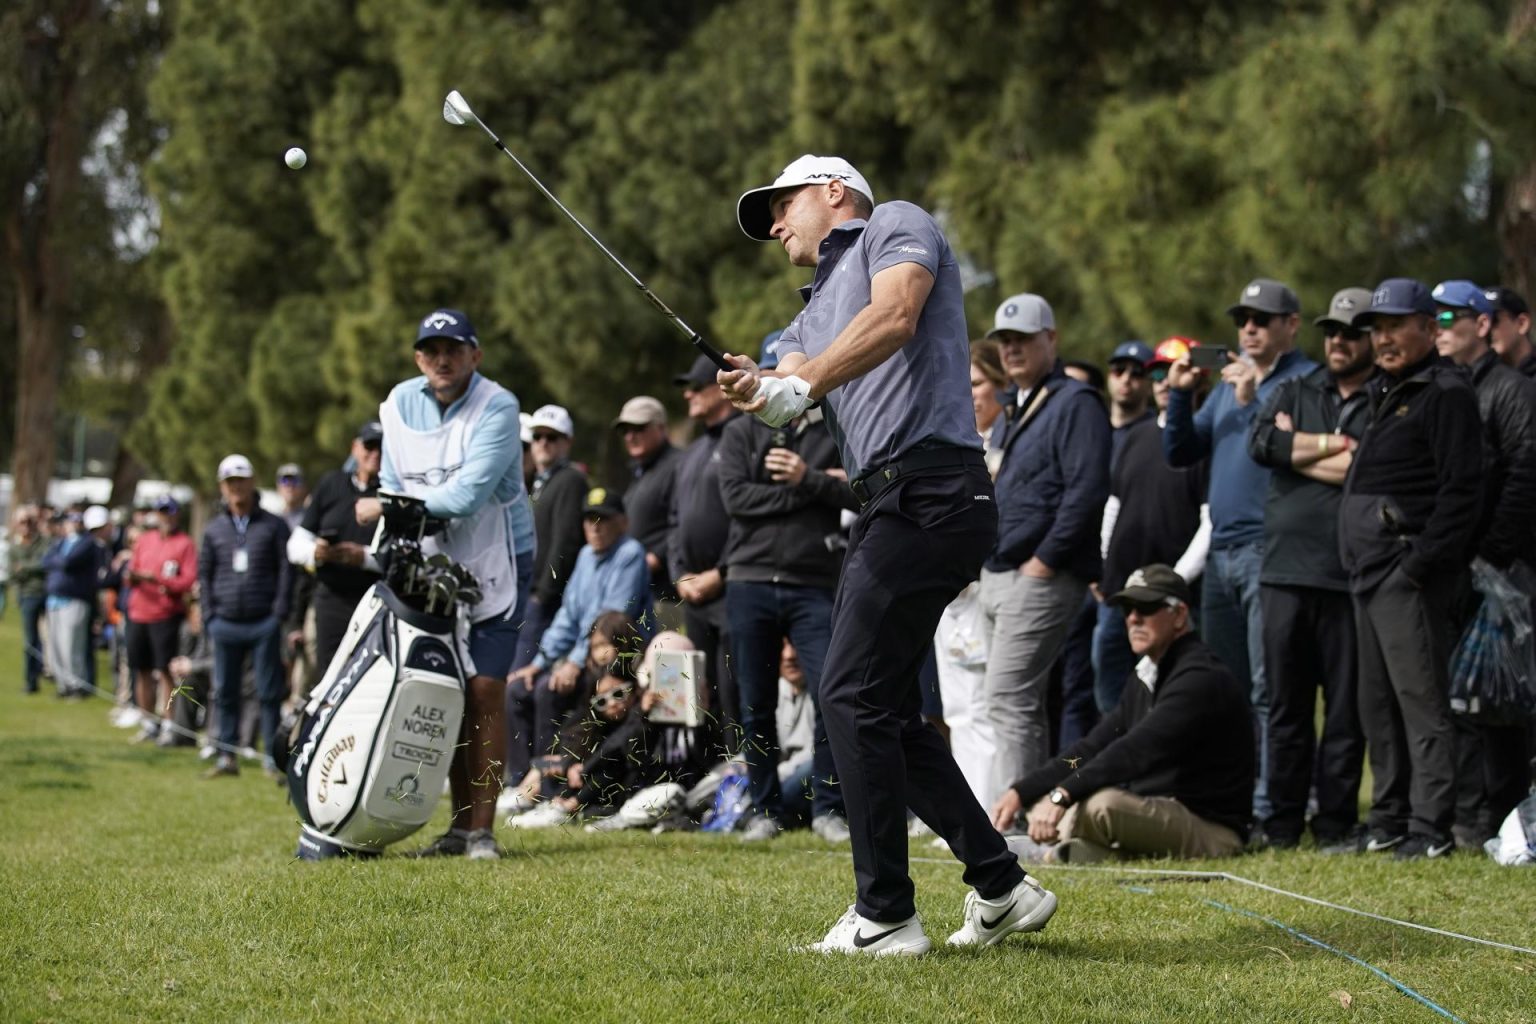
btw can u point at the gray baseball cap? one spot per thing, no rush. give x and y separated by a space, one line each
1346 305
1025 313
1266 295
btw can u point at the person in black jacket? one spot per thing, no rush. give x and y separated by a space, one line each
784 490
1510 333
642 425
1304 432
1168 772
244 583
1407 523
329 543
698 529
558 490
1493 760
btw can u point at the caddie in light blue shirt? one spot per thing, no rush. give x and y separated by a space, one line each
452 439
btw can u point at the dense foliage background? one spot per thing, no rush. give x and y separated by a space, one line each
169 279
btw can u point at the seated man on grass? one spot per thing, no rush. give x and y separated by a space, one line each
1169 772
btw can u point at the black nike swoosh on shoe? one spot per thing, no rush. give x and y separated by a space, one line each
862 941
989 925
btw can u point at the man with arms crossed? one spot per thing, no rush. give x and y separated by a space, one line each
451 439
882 344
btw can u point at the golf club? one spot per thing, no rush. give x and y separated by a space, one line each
456 110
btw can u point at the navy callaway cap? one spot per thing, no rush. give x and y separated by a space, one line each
1132 351
447 323
1397 296
1463 295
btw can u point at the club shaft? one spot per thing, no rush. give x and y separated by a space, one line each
693 336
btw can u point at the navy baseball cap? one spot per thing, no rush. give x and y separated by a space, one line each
168 505
1396 296
371 432
768 357
1131 351
700 375
447 323
1462 294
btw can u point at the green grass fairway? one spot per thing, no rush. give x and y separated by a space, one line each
135 891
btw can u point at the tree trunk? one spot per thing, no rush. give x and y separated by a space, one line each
41 262
1517 215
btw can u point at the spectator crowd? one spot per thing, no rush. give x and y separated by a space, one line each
1198 544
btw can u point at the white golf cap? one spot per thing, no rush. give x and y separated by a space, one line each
96 517
525 425
752 211
235 466
1024 313
551 417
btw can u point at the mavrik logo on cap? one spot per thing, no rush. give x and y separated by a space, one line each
1345 303
437 321
1252 289
1136 579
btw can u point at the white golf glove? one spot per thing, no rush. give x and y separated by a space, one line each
785 398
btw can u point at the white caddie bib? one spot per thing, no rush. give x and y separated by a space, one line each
427 459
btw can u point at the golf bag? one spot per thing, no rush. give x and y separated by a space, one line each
368 756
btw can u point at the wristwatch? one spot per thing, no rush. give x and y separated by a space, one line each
1060 797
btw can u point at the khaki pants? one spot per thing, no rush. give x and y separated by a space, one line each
1147 826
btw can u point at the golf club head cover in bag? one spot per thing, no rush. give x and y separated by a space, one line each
373 746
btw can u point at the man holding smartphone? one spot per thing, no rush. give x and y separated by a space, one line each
1267 316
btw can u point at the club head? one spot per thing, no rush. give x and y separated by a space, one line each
456 109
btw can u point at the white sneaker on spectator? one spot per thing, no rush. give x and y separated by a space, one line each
513 801
858 935
1026 909
612 823
760 828
148 733
832 828
125 716
546 815
481 845
206 752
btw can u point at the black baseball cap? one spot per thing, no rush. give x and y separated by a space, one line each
602 502
1155 582
1507 300
371 432
700 374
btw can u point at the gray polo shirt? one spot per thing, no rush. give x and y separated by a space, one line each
919 397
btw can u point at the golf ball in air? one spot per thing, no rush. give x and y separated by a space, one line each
295 158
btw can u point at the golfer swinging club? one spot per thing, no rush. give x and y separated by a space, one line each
882 344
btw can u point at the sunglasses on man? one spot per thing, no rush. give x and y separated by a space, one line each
1241 317
1146 609
1347 333
1123 368
546 437
1447 317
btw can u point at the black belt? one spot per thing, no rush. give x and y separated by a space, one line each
867 486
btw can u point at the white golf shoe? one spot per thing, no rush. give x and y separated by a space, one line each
1026 909
858 935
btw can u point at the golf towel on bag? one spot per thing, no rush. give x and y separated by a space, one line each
372 749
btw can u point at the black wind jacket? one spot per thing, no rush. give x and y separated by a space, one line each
1301 543
1507 403
1414 493
779 533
